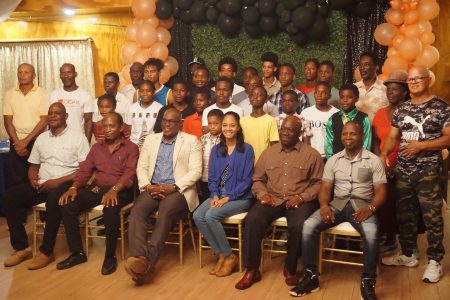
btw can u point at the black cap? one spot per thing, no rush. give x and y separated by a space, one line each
198 61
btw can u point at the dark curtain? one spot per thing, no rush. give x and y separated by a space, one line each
360 38
181 48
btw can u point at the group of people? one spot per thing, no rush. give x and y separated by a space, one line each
315 154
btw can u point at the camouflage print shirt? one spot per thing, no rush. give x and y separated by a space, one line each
421 122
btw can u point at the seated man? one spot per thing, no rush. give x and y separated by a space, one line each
169 166
285 182
113 161
359 184
54 159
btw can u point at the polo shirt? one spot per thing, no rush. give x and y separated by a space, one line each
354 179
193 125
26 109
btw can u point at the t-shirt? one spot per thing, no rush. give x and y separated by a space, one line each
122 106
142 121
193 125
232 107
382 127
305 89
77 103
334 98
130 92
269 107
317 121
259 132
162 94
421 122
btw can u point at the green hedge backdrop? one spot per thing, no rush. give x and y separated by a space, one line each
211 45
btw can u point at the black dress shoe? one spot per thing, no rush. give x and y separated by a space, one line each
109 265
73 260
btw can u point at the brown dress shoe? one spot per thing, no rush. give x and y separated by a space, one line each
228 266
249 278
140 269
218 265
17 257
40 261
289 278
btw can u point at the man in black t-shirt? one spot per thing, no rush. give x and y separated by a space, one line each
422 125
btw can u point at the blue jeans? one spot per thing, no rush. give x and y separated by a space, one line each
314 225
208 222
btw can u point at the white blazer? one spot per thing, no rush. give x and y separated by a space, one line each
187 164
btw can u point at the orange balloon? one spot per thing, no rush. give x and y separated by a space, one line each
126 73
172 64
410 48
411 17
167 23
433 78
127 51
427 38
154 21
159 50
428 58
142 55
424 25
428 9
412 30
383 77
395 4
384 33
393 16
405 7
143 9
130 32
145 35
392 51
163 35
397 41
395 62
164 75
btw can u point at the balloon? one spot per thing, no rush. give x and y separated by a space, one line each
428 58
311 5
395 4
145 34
159 50
291 28
385 33
126 73
171 64
186 16
183 4
302 17
268 24
250 15
248 2
319 29
323 9
340 4
143 9
433 78
229 26
412 30
127 51
164 9
428 9
427 38
392 51
167 24
163 36
383 77
292 4
164 75
286 16
300 38
212 14
231 7
411 17
394 63
405 7
153 21
130 32
410 48
252 30
424 25
397 41
394 16
142 55
198 10
266 7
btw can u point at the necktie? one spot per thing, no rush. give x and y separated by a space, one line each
345 119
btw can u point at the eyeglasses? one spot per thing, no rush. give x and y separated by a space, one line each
416 79
172 122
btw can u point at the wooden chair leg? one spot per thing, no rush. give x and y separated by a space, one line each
87 227
180 240
321 237
191 230
35 213
200 249
122 236
240 246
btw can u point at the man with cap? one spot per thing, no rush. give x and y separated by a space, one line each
194 64
269 69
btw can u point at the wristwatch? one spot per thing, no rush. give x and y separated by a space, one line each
115 188
176 188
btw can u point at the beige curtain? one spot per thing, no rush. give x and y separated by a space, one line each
46 56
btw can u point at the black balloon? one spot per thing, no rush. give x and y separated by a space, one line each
164 9
230 7
292 4
186 16
268 24
302 17
266 7
319 29
279 9
198 11
183 4
340 4
176 12
286 16
291 28
362 9
323 9
229 26
250 15
248 2
252 30
312 5
300 38
212 2
212 14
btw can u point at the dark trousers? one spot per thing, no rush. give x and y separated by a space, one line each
17 201
85 200
258 220
18 166
170 210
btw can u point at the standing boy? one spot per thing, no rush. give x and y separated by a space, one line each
286 76
193 123
152 68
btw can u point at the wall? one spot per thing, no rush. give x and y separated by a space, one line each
441 27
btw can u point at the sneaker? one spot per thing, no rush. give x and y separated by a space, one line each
388 248
368 289
308 284
433 272
17 257
400 260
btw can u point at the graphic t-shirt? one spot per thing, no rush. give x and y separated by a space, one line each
142 120
420 122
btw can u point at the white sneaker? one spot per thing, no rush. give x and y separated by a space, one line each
433 272
400 260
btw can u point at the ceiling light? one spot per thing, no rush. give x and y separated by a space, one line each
69 11
93 20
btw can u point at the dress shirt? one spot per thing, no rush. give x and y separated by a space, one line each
283 173
272 88
164 163
371 99
301 98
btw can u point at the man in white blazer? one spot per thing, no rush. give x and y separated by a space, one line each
170 164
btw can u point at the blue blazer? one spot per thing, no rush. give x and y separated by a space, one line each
239 182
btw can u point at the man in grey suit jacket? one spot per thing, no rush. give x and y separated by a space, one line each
169 165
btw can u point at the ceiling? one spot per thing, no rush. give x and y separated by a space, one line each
58 5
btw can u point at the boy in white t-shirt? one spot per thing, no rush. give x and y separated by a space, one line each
142 115
317 116
78 103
